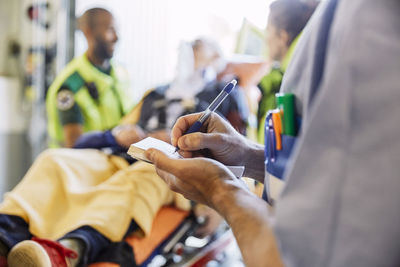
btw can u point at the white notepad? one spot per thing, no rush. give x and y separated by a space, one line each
137 150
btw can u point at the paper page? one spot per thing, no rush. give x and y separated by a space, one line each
136 150
236 170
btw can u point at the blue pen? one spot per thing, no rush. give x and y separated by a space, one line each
211 108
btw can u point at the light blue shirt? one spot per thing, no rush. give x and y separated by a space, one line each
341 203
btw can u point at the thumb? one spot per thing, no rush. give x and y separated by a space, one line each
162 161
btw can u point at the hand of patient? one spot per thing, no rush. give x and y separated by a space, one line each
125 135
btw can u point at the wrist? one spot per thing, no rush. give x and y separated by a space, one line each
223 196
254 161
110 138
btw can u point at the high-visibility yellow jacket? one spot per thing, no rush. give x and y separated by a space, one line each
101 113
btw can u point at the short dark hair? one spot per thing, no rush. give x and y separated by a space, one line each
89 17
291 15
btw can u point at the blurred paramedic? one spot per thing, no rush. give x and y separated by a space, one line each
286 21
90 93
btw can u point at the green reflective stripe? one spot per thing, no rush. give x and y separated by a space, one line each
74 82
97 115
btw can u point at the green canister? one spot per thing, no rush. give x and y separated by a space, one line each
286 104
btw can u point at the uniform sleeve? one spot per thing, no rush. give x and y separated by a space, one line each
68 109
97 140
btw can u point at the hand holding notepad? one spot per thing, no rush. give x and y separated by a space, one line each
137 150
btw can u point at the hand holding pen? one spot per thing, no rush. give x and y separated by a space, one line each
211 108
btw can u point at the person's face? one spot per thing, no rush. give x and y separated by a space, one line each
105 36
277 42
204 55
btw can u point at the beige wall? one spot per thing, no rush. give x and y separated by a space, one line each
9 30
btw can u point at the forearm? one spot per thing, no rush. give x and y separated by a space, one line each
248 217
254 161
96 140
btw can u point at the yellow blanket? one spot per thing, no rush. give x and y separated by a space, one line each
68 188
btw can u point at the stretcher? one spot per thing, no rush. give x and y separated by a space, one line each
170 242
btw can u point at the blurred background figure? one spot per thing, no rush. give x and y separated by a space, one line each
90 93
197 82
194 71
286 20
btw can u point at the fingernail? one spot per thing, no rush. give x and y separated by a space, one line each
186 142
149 154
